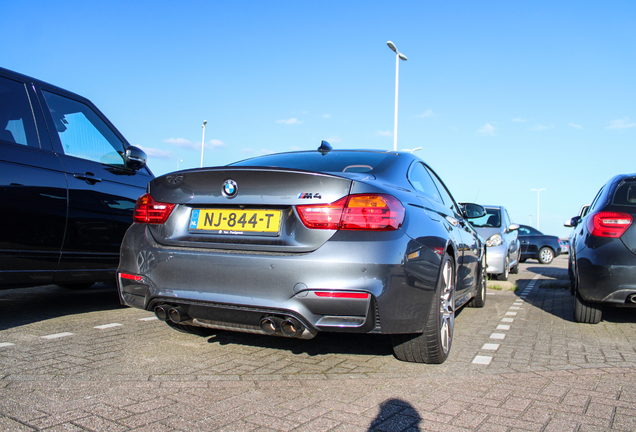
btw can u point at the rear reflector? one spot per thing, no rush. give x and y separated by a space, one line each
377 212
339 294
150 211
136 278
609 224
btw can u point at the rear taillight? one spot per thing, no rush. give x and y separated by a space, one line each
609 224
150 211
355 212
136 278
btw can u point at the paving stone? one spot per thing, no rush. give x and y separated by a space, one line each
548 372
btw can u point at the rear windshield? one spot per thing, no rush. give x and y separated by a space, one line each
625 194
492 219
334 161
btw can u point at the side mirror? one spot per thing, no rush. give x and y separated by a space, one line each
572 222
135 158
473 211
513 227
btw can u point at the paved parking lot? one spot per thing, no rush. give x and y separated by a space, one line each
77 360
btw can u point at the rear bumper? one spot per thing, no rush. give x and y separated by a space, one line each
242 288
607 274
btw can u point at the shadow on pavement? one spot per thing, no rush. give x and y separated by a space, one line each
323 343
396 415
23 306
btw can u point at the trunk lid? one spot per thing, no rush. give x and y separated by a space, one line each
244 208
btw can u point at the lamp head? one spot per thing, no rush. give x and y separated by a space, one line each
392 46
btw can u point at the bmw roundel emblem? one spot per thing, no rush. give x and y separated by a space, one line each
230 188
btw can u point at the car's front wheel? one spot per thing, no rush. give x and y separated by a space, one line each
546 255
506 268
480 298
433 346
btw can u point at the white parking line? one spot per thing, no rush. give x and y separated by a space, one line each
148 319
483 360
490 347
5 344
57 335
106 326
486 360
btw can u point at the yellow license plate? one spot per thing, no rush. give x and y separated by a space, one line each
234 221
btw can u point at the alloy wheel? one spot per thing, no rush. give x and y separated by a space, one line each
447 307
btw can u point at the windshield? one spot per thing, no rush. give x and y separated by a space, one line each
492 219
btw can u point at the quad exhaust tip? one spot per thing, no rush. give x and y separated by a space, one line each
288 326
176 314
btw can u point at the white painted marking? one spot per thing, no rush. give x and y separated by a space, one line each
503 327
105 326
511 313
508 320
490 347
514 307
482 360
148 319
499 336
57 335
5 344
490 293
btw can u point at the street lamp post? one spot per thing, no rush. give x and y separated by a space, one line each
538 192
398 56
203 141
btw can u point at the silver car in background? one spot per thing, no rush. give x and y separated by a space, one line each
502 245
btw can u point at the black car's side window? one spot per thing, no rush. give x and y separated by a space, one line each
82 132
16 117
422 182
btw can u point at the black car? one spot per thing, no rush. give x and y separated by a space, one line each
603 265
539 246
68 186
293 244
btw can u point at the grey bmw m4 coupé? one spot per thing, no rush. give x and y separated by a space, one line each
293 244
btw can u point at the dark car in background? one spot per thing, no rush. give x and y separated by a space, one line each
293 244
503 249
68 186
604 251
536 245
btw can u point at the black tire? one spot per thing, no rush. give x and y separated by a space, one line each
432 346
545 255
586 312
572 277
479 301
504 276
195 330
79 286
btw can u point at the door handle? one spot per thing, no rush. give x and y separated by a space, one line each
87 177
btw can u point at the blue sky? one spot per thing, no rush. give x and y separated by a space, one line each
503 97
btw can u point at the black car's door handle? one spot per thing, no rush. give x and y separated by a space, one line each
88 177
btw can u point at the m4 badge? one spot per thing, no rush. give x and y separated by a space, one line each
307 195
